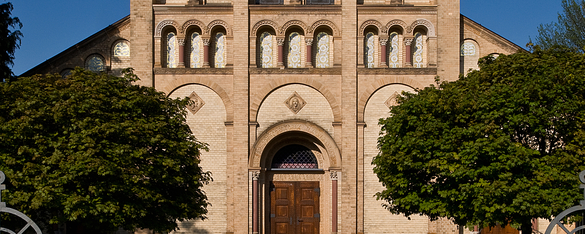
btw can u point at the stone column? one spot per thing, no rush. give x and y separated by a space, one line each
408 53
309 42
205 52
383 52
280 42
181 52
333 175
255 205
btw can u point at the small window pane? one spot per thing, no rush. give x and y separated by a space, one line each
322 56
220 60
95 63
294 157
122 49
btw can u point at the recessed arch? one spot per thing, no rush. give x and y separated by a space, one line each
287 132
370 23
380 83
325 23
262 24
163 24
291 24
191 23
205 81
395 23
218 23
430 28
279 82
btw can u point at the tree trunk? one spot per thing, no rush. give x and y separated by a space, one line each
527 227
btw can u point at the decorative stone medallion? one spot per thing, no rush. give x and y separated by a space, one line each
295 103
392 100
196 104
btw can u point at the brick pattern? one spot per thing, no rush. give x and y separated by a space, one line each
376 218
208 124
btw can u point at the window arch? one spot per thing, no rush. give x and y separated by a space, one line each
418 50
66 72
294 157
295 50
195 50
172 50
219 49
121 49
323 51
370 50
394 50
266 42
95 63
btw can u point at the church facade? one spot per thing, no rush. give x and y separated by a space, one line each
288 94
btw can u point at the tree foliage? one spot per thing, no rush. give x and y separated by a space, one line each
568 31
501 146
96 150
10 40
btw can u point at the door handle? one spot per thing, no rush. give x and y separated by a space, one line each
300 220
290 222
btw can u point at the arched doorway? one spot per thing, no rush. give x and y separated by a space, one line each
293 190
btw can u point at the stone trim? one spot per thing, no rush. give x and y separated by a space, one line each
332 156
331 25
395 22
163 24
292 23
319 71
424 22
211 71
265 22
370 23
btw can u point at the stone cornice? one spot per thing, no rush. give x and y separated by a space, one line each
295 9
193 10
397 71
397 10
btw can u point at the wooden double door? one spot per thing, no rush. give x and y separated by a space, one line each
294 207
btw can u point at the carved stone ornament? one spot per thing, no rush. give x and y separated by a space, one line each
295 103
197 103
333 175
255 175
392 100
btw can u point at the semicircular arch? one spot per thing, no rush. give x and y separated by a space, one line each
425 23
193 22
292 23
374 23
301 129
262 23
180 82
395 22
326 23
276 83
213 24
165 23
378 84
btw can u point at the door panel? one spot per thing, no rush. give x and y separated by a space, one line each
294 207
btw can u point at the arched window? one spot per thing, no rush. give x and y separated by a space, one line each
467 49
172 50
195 52
294 50
66 72
394 58
95 63
322 54
219 57
122 49
266 50
294 157
418 51
370 50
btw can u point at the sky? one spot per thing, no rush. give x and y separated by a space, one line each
50 27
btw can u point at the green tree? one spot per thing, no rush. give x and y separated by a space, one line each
98 151
568 31
501 146
10 40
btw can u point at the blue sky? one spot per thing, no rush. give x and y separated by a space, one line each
53 26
